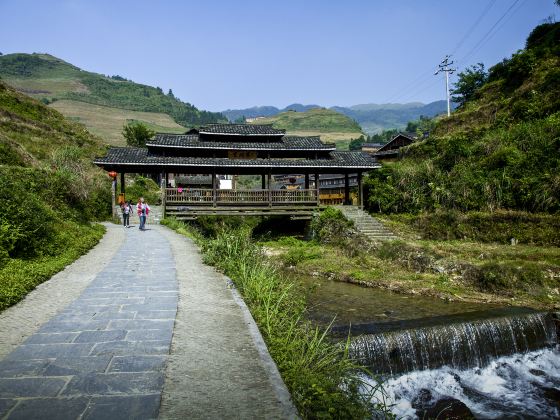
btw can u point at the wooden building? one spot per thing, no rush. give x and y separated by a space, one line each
371 147
239 149
391 150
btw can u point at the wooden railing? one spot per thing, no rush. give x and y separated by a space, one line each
202 196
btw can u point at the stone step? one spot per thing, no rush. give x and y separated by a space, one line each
366 224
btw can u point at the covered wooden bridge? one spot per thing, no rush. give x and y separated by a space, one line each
219 150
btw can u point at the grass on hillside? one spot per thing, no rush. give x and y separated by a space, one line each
107 122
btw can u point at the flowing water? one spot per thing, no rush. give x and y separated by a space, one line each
521 386
499 362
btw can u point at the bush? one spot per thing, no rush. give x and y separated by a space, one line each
505 277
330 226
500 226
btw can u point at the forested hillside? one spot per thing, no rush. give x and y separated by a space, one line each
500 150
51 79
50 192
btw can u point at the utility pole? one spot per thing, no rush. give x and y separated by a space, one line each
444 66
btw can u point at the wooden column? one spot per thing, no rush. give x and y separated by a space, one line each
166 179
113 197
317 189
263 182
306 181
360 190
122 183
346 190
214 195
163 193
269 190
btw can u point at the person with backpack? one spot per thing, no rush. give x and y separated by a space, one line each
143 210
126 210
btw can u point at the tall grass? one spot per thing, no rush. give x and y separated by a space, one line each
323 381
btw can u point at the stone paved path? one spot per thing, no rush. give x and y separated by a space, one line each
138 328
104 355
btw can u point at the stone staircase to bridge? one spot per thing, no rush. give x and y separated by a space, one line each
366 224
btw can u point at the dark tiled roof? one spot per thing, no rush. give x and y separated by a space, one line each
241 129
192 141
140 157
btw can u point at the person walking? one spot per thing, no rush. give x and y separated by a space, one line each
143 210
126 210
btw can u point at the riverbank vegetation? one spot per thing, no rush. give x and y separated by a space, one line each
50 190
323 381
453 270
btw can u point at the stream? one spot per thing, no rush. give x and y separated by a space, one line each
445 358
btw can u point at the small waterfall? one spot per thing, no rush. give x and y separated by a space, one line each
459 345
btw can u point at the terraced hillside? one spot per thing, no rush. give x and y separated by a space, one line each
102 103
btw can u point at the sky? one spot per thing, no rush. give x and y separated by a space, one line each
219 55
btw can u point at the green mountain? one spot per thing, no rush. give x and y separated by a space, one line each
501 150
372 118
330 125
50 191
102 103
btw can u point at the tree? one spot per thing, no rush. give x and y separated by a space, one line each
240 120
470 80
356 144
170 94
137 134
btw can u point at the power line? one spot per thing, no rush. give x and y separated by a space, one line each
520 6
425 77
473 27
488 34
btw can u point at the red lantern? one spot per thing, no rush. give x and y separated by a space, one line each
112 174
